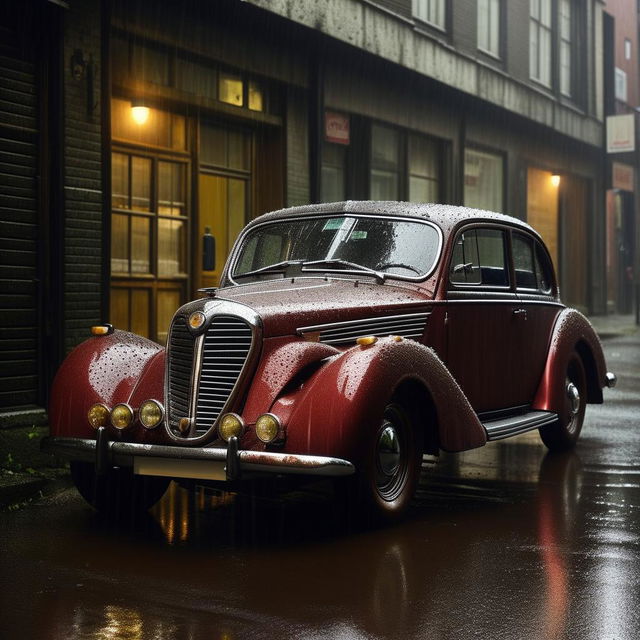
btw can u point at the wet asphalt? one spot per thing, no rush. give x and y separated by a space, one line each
502 542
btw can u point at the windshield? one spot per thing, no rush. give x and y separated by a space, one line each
398 248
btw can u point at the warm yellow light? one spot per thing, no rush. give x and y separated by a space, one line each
150 414
121 416
230 426
197 319
555 180
98 415
99 330
365 341
267 427
140 114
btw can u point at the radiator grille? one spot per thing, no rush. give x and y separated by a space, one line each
226 347
180 366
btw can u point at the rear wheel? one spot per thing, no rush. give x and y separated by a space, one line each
120 491
391 466
563 434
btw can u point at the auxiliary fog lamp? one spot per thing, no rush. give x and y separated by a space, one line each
230 425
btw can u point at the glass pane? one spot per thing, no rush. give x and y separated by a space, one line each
178 132
256 98
423 190
172 244
238 151
230 89
119 308
385 146
384 185
213 146
171 189
140 183
492 262
119 181
140 245
119 243
423 157
334 161
167 303
155 131
483 176
140 311
465 263
523 261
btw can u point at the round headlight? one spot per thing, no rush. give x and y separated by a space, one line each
121 416
230 425
196 319
98 415
268 427
151 414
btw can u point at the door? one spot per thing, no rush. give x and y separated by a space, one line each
222 214
483 322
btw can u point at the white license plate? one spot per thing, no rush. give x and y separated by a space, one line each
167 467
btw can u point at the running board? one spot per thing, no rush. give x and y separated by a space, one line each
506 427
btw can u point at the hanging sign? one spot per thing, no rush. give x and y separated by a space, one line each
620 133
622 176
336 127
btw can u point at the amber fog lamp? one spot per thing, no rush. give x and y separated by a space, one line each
102 330
196 319
98 415
231 425
151 414
366 341
268 427
121 416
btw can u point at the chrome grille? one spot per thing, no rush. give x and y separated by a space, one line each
227 343
179 370
408 326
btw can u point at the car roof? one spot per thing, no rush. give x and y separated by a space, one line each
446 216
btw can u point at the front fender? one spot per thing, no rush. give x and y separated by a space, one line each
571 332
108 369
343 402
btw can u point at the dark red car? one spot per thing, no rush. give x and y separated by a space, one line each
346 339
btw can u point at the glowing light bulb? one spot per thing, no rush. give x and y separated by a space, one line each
555 180
140 114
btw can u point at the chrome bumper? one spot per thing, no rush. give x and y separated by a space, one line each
204 463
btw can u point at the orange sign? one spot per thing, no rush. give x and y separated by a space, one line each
336 127
622 176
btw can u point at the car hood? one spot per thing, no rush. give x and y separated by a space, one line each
286 306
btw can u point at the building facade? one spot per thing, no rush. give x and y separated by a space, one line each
142 132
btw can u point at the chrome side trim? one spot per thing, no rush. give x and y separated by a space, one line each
410 325
124 454
611 379
506 427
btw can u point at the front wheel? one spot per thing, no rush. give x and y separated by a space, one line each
119 492
563 434
390 468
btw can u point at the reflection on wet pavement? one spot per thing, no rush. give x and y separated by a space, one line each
503 542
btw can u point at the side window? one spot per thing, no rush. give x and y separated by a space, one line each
544 270
523 261
479 259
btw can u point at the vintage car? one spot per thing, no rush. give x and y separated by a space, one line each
346 339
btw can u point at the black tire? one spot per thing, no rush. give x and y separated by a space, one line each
390 469
563 434
120 492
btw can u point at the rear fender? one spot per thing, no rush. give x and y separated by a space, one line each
571 332
107 369
339 406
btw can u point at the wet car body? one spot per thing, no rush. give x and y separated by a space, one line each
364 334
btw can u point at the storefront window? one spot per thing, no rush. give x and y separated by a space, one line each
230 89
334 165
385 163
424 170
483 180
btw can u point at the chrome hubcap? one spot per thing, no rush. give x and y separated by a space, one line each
388 455
573 395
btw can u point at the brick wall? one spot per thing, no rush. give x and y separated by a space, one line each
83 185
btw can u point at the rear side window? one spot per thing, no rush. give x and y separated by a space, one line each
479 259
544 270
523 262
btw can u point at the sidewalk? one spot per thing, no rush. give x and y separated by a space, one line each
610 326
27 474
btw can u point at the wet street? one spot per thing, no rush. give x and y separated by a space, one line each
503 542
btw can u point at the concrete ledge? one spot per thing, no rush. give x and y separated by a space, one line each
25 417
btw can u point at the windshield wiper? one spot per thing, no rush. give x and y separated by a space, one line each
288 267
354 266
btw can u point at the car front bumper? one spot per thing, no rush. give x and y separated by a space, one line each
205 463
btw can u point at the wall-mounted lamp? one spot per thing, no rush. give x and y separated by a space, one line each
555 180
139 112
